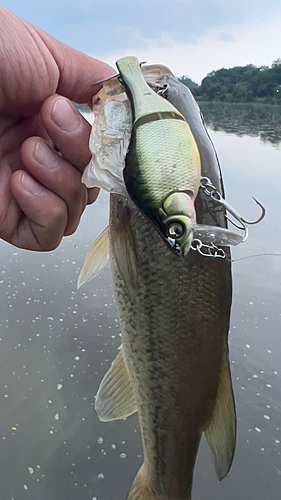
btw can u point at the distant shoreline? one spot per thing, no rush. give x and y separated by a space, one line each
241 84
83 108
255 103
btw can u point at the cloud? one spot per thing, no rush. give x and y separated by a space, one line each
225 37
191 37
90 25
257 44
135 25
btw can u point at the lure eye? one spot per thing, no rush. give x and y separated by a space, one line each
176 230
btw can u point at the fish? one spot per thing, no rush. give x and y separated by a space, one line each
174 310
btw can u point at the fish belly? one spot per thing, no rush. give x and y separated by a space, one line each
174 321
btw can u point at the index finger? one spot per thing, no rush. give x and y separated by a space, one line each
78 72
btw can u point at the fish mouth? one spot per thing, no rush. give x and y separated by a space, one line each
173 245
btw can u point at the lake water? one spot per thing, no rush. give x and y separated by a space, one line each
57 343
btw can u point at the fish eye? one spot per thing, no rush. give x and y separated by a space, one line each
175 230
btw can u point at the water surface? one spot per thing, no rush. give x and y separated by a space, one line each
57 343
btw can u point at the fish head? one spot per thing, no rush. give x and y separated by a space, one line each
178 217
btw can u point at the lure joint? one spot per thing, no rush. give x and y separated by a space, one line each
164 89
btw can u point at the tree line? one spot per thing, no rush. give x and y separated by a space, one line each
240 84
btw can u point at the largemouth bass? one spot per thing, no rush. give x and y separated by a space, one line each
173 367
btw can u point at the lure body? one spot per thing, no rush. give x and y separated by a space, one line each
162 161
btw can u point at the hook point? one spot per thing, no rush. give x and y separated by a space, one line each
263 211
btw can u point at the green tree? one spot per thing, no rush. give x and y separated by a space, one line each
242 84
188 82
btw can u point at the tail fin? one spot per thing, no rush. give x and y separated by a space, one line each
140 489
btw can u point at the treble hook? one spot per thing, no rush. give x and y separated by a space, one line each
216 196
261 216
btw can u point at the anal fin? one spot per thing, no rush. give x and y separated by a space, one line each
221 432
115 398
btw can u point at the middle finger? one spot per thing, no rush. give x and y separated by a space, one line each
51 170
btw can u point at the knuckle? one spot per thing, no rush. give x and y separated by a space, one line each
78 194
75 209
71 228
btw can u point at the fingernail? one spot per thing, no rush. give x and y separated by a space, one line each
30 184
65 116
46 156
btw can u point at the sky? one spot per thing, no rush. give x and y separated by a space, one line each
191 37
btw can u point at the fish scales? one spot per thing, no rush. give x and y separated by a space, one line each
174 336
174 308
179 173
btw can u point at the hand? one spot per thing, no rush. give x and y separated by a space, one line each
43 138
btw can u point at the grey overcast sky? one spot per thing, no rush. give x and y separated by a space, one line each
192 37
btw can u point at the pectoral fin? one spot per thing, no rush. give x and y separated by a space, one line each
115 398
221 432
96 258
